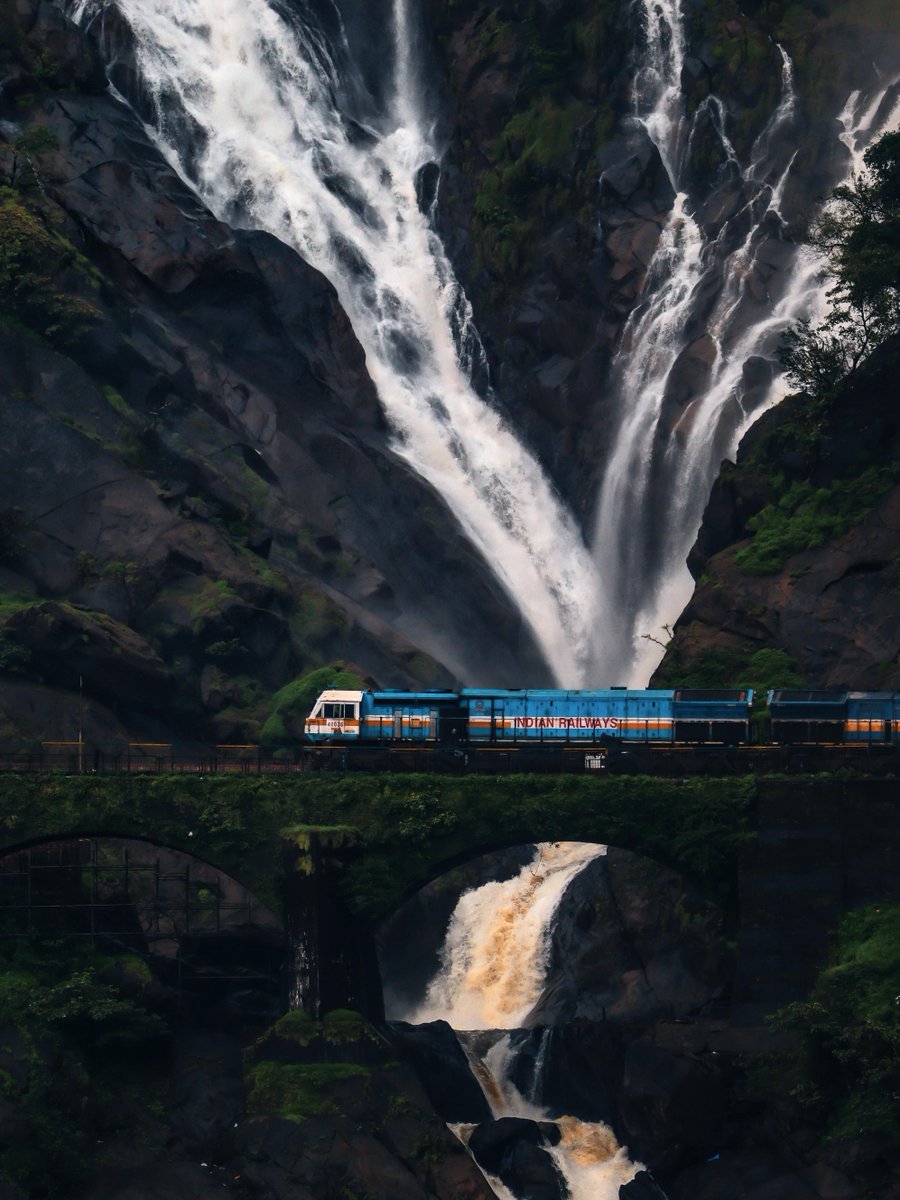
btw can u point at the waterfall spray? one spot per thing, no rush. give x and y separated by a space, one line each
494 965
722 299
271 122
274 152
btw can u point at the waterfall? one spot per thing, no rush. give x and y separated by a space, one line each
717 297
246 101
494 962
268 115
494 957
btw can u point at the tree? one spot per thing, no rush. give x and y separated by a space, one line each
860 234
21 157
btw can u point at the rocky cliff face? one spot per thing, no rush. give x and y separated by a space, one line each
799 549
552 199
199 498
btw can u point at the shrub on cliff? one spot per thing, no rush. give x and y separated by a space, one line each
292 703
860 233
80 1053
35 265
850 1030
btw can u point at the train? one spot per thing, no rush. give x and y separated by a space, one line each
678 731
601 725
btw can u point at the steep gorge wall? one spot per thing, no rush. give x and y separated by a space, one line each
225 510
198 493
552 199
799 549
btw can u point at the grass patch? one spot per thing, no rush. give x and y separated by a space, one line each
807 517
299 1090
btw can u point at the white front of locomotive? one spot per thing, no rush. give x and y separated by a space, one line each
334 716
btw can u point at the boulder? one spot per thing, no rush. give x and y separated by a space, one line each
642 1187
444 1070
512 1148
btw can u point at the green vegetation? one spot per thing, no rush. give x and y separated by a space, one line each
860 232
300 1090
848 358
82 1053
806 517
527 157
21 158
293 702
405 825
338 1027
733 667
35 262
534 159
13 655
849 1028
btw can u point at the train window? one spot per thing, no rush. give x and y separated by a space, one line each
337 712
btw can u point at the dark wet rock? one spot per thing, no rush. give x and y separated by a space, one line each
443 1068
373 1134
672 1105
642 1187
574 1069
206 1095
765 1171
113 658
624 948
512 1148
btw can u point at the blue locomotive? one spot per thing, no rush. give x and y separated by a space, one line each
531 717
834 717
495 718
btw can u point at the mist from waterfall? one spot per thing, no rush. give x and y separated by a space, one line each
720 294
270 117
252 105
493 968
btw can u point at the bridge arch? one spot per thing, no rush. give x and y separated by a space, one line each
196 926
623 936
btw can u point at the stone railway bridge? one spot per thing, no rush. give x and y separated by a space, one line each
334 856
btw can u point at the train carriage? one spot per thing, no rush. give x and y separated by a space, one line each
550 716
872 717
834 717
530 717
715 716
811 716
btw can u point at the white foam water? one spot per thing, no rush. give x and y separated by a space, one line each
247 98
494 965
494 957
246 109
666 451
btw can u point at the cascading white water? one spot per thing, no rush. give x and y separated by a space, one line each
494 956
270 149
247 98
667 447
493 968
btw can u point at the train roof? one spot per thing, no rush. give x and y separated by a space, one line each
561 693
716 695
807 696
